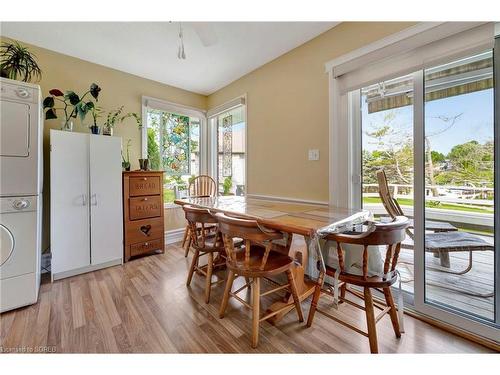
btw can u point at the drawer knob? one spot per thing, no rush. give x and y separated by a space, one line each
145 199
145 178
146 243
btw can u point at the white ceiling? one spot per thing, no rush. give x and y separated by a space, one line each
149 49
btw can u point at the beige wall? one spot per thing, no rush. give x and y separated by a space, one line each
288 112
118 88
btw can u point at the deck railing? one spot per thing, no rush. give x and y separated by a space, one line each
471 210
468 195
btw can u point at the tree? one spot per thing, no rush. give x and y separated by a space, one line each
153 150
448 122
394 151
437 157
473 162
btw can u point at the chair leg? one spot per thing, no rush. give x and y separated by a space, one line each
315 299
392 312
194 263
444 259
208 282
255 311
186 233
370 321
247 280
342 292
296 300
188 245
227 290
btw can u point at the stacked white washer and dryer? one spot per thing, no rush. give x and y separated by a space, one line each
21 171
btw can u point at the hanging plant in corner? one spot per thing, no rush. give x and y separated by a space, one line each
17 62
71 104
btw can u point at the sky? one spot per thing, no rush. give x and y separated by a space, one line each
475 123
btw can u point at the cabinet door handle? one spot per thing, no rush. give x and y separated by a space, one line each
84 199
93 199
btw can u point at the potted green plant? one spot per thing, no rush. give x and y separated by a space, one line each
73 105
96 113
126 161
227 185
17 62
115 117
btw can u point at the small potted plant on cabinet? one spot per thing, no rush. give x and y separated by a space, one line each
126 161
72 105
115 117
96 113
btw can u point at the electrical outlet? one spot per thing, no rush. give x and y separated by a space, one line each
314 154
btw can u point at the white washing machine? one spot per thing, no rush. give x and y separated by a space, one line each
20 231
20 193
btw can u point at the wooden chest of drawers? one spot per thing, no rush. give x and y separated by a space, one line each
143 226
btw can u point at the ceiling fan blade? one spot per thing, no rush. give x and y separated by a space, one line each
206 33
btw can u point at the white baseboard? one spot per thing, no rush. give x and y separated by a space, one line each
174 235
78 271
287 199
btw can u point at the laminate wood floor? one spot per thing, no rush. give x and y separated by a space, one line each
144 306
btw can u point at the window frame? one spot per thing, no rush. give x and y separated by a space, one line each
212 116
163 105
343 117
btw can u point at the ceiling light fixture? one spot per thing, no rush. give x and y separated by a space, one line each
181 55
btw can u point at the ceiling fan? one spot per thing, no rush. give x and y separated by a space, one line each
205 32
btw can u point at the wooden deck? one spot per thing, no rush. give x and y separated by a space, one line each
144 306
480 280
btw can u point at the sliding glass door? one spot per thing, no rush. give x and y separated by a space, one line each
386 123
433 134
459 188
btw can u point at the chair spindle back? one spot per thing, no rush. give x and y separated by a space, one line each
250 232
197 219
379 234
203 186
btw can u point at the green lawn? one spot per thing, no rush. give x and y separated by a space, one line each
444 206
168 195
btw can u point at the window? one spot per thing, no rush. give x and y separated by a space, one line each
431 126
173 143
229 149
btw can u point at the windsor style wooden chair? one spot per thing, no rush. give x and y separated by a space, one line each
255 260
204 242
388 234
201 186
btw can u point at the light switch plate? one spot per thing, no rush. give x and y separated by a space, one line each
314 154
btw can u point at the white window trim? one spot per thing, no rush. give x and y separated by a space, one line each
212 114
149 102
341 135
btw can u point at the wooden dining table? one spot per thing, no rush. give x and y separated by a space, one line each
295 219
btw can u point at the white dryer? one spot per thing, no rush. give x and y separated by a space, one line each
21 136
21 173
